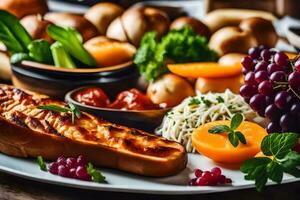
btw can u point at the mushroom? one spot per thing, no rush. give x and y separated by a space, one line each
102 14
135 22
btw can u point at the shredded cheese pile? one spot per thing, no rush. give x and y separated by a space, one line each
182 120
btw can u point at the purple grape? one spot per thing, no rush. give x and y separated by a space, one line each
282 99
247 63
81 161
278 76
258 102
274 68
71 162
295 108
72 173
265 88
287 122
273 113
281 58
265 55
294 80
250 79
261 76
254 52
82 174
247 91
261 66
273 127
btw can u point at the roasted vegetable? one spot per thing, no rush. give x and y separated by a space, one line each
61 57
71 41
178 46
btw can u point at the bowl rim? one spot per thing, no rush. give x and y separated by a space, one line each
68 98
52 68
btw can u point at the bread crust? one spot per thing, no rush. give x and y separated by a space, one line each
19 141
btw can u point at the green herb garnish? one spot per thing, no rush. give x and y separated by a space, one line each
71 108
282 159
194 101
179 46
95 174
206 102
41 163
234 136
220 99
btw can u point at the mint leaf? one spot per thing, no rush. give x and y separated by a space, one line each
278 144
234 140
219 129
292 159
95 174
41 163
241 137
261 180
236 120
275 172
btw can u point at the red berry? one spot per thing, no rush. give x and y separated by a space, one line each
71 162
81 161
228 180
216 171
63 171
72 173
222 179
82 174
61 160
202 181
206 174
53 168
198 173
213 180
192 182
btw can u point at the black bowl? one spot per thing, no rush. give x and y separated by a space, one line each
56 82
146 120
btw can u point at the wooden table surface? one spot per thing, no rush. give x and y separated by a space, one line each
15 188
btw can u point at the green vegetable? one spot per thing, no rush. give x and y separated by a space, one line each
194 101
283 159
9 40
95 174
178 46
72 43
40 51
18 57
61 57
41 163
234 136
20 38
71 108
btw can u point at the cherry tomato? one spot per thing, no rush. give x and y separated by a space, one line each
93 97
133 100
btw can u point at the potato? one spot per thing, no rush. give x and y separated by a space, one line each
262 29
85 27
21 8
170 90
232 40
102 14
36 26
197 26
135 22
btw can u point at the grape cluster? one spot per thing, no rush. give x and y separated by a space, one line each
70 167
272 88
209 178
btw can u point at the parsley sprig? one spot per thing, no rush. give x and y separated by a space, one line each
95 174
41 163
70 108
234 136
281 158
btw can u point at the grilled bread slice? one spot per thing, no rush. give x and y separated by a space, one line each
27 131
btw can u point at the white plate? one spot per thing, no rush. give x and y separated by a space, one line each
125 182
